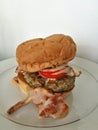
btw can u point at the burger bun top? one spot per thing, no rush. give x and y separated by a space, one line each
40 53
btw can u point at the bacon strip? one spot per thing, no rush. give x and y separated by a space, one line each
54 107
18 105
37 96
49 105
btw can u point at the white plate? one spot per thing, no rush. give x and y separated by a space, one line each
81 101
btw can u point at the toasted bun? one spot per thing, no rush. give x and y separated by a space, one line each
25 88
41 53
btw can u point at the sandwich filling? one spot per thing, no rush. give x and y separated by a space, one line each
57 80
35 80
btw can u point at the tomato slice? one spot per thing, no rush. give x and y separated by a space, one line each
48 74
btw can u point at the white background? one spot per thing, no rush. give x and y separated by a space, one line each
21 20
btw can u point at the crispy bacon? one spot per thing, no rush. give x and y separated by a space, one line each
54 107
37 96
49 105
18 105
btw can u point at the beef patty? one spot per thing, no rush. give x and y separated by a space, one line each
63 84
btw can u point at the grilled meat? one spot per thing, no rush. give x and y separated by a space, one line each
59 85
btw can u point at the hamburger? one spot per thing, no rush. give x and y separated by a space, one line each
43 66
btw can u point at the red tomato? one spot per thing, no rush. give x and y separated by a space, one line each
49 74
